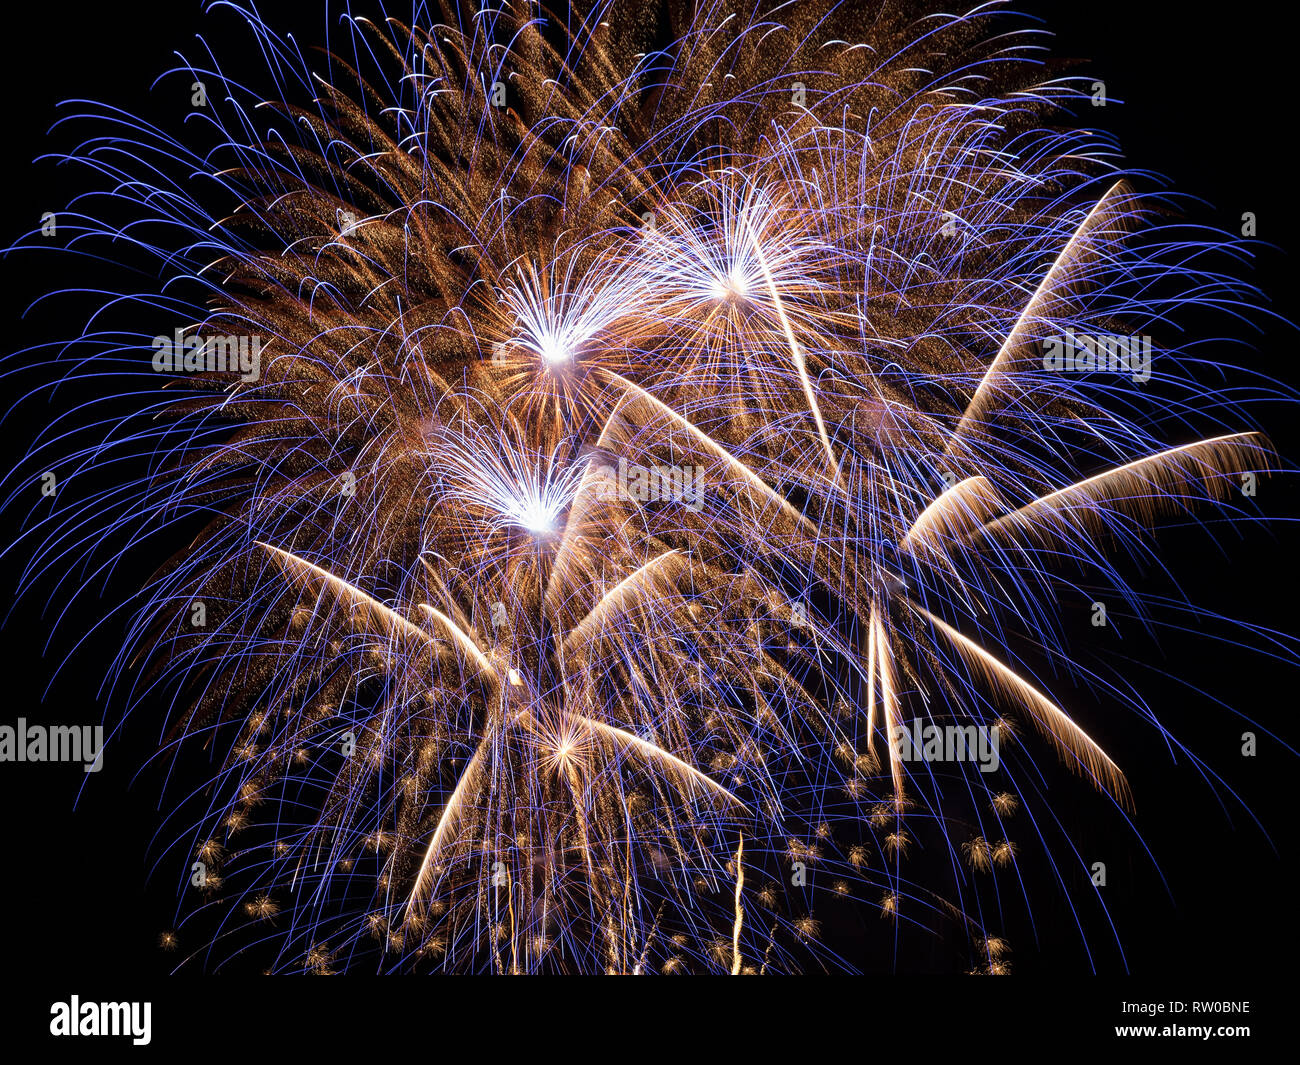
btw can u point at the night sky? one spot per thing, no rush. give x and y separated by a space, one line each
1204 104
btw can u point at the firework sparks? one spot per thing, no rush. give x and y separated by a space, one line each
464 609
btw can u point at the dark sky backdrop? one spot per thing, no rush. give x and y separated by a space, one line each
1208 103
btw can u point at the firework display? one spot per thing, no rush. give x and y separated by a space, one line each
632 477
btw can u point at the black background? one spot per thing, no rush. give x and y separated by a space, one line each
1206 103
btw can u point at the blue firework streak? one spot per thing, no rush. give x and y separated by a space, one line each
608 445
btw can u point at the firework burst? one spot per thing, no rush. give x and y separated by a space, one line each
648 420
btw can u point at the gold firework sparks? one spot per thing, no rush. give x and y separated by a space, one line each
629 459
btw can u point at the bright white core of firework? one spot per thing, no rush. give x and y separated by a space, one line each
535 516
